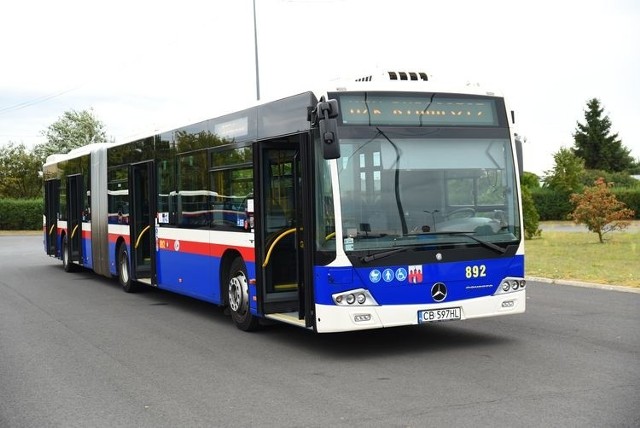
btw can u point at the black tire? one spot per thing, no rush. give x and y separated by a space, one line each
124 270
238 297
67 264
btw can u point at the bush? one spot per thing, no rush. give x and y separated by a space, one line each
21 214
599 209
531 217
619 179
552 204
630 197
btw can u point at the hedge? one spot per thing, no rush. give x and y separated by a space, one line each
551 204
21 214
555 205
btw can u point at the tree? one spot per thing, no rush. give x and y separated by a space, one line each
567 172
597 146
531 216
19 172
530 180
598 209
73 129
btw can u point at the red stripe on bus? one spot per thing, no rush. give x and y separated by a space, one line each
113 238
203 248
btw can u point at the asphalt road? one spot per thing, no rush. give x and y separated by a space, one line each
76 351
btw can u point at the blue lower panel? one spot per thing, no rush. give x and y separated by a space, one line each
112 259
196 275
87 258
189 274
411 284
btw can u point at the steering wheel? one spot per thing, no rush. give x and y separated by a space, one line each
465 213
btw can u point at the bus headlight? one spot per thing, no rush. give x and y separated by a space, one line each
358 297
509 285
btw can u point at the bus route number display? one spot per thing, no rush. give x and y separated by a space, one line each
385 110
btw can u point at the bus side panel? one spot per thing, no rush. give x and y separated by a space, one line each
188 273
87 259
188 261
116 232
195 275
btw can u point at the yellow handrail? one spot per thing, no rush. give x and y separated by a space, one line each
329 236
52 227
273 244
140 236
74 230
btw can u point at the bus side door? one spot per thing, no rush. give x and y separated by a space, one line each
52 208
75 205
282 263
142 216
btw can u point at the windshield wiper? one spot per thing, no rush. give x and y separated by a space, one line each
382 254
482 242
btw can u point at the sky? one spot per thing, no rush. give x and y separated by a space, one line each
146 66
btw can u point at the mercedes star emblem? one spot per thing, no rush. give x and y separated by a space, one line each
439 291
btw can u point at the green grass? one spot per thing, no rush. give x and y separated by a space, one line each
579 256
20 232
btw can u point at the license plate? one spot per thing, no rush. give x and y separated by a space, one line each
434 315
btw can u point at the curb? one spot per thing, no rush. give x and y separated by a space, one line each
584 284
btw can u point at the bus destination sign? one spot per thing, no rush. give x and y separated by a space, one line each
393 110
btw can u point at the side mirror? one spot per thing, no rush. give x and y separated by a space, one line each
519 155
327 113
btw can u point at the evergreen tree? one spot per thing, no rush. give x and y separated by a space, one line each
597 146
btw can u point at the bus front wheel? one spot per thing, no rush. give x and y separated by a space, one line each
124 271
238 295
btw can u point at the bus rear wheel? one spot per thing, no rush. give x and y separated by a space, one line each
66 255
238 295
124 270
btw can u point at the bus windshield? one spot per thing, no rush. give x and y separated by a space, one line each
403 187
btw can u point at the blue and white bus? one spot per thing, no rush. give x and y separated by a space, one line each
384 201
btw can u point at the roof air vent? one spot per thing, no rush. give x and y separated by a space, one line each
396 75
408 75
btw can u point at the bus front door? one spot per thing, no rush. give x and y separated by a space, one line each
281 260
142 214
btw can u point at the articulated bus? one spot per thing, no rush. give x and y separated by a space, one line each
388 200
